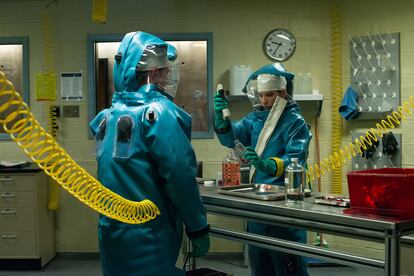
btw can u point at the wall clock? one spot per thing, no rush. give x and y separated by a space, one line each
279 45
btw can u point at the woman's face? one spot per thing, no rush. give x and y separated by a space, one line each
268 98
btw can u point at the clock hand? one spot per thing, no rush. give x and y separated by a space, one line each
276 43
274 52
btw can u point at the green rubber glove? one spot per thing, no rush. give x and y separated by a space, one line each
265 165
201 245
219 105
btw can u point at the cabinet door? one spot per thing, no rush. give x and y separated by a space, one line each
16 199
17 244
17 219
16 183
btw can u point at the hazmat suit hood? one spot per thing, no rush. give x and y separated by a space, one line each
277 69
131 52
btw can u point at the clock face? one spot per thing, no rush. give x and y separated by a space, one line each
279 44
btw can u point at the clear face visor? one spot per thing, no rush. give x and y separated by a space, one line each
253 95
169 82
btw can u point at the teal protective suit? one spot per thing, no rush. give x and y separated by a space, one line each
290 138
144 152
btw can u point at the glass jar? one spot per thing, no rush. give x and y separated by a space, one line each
230 168
295 182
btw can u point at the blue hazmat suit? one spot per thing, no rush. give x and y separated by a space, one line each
290 139
144 152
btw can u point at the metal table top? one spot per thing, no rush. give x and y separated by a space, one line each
309 211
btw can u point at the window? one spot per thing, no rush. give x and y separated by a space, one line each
196 76
14 64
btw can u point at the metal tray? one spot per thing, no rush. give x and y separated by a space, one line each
333 200
257 191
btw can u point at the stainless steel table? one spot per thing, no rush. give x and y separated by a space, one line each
312 217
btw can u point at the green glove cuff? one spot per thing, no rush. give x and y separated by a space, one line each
201 245
266 165
220 123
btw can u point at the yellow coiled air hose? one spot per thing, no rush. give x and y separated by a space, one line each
26 131
53 126
336 88
337 159
49 87
54 192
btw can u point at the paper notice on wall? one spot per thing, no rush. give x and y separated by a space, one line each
46 86
71 86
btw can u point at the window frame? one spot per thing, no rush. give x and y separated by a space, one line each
208 37
24 41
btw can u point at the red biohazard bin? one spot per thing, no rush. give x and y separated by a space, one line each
386 192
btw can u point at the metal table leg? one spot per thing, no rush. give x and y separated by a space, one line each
392 254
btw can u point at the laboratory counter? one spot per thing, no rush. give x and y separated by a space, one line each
312 217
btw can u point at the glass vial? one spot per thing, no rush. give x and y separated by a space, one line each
295 182
231 169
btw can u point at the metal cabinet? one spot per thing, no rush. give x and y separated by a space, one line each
27 238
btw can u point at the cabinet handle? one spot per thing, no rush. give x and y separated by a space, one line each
8 212
8 237
7 195
7 179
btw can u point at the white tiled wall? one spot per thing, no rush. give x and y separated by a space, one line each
238 28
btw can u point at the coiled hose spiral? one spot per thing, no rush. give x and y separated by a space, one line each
359 145
49 89
25 130
336 87
54 192
53 125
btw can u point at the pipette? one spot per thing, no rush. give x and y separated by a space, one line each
226 111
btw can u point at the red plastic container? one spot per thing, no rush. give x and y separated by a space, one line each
386 192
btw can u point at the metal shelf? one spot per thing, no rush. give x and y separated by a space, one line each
300 98
315 99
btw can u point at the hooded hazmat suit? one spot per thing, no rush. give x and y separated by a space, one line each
144 152
290 138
